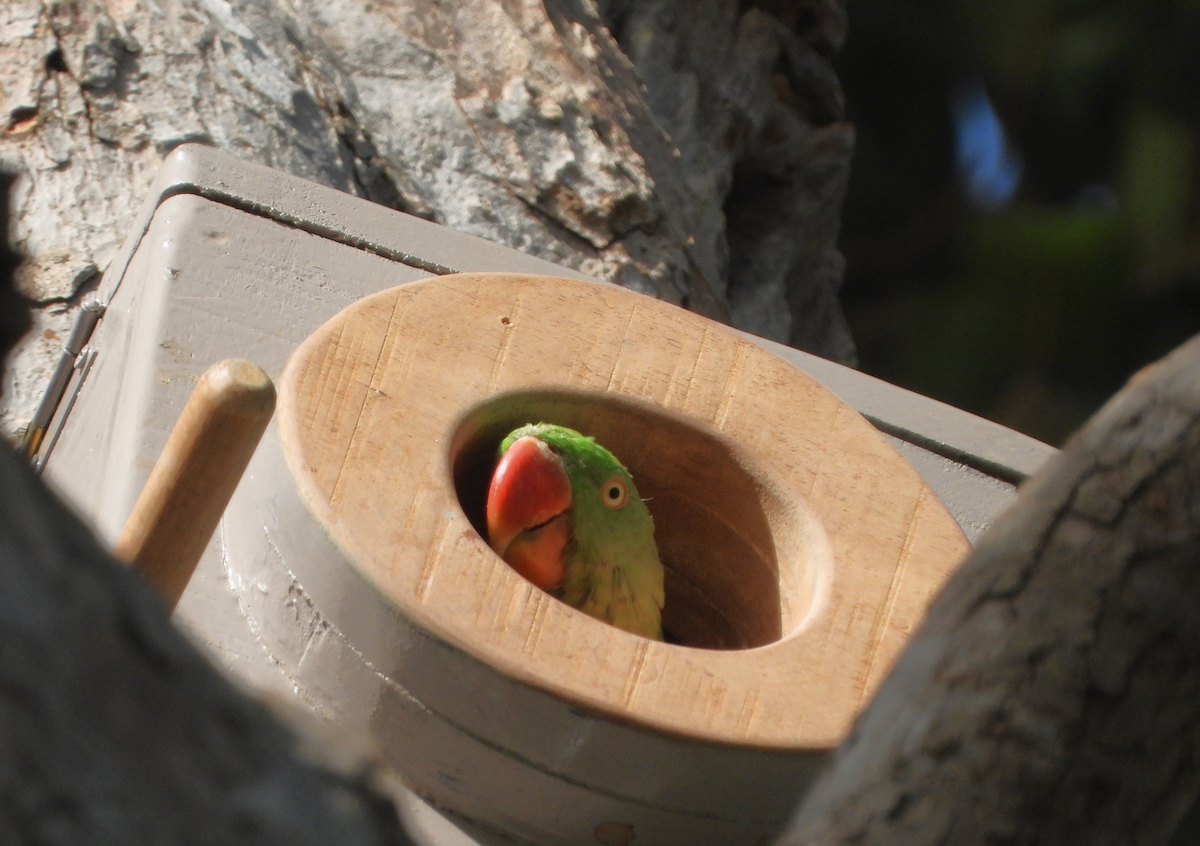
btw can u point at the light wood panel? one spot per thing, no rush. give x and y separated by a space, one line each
801 549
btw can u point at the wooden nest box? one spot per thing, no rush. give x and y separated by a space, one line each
800 552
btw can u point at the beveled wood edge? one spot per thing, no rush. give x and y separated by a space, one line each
518 671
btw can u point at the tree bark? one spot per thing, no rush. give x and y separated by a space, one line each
748 96
520 121
114 730
1053 693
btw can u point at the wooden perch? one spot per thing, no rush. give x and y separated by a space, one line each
192 481
1053 694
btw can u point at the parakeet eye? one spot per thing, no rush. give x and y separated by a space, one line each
614 493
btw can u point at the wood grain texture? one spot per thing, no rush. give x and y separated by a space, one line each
785 521
191 483
1053 694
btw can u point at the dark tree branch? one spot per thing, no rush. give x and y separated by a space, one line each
1053 694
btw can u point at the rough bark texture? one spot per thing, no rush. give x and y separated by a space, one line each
114 730
747 94
1053 694
520 121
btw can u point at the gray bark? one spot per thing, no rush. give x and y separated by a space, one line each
1053 694
753 105
520 121
114 730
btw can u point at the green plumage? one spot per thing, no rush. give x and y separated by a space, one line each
612 572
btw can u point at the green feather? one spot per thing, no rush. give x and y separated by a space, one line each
612 572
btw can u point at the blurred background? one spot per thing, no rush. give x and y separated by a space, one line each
1022 230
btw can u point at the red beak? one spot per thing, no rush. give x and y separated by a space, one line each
526 512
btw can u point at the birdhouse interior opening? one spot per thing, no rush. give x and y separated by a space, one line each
722 528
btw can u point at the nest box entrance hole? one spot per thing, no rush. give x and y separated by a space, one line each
717 526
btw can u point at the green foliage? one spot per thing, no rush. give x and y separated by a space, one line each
1156 186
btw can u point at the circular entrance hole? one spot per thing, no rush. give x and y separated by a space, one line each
722 529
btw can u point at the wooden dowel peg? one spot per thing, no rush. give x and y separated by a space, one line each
195 477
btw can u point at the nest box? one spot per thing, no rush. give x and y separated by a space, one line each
800 550
349 570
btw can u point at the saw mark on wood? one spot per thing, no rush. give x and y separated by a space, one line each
714 699
512 598
395 378
835 421
582 353
316 416
541 601
633 678
749 711
434 554
362 402
333 377
510 331
732 381
487 595
705 344
670 398
617 359
326 407
881 622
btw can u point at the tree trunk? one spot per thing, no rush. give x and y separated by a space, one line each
114 730
520 121
749 99
1053 693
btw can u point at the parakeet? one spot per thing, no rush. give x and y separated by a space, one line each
564 513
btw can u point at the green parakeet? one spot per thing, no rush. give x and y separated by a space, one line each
564 513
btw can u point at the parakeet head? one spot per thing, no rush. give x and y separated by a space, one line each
566 515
